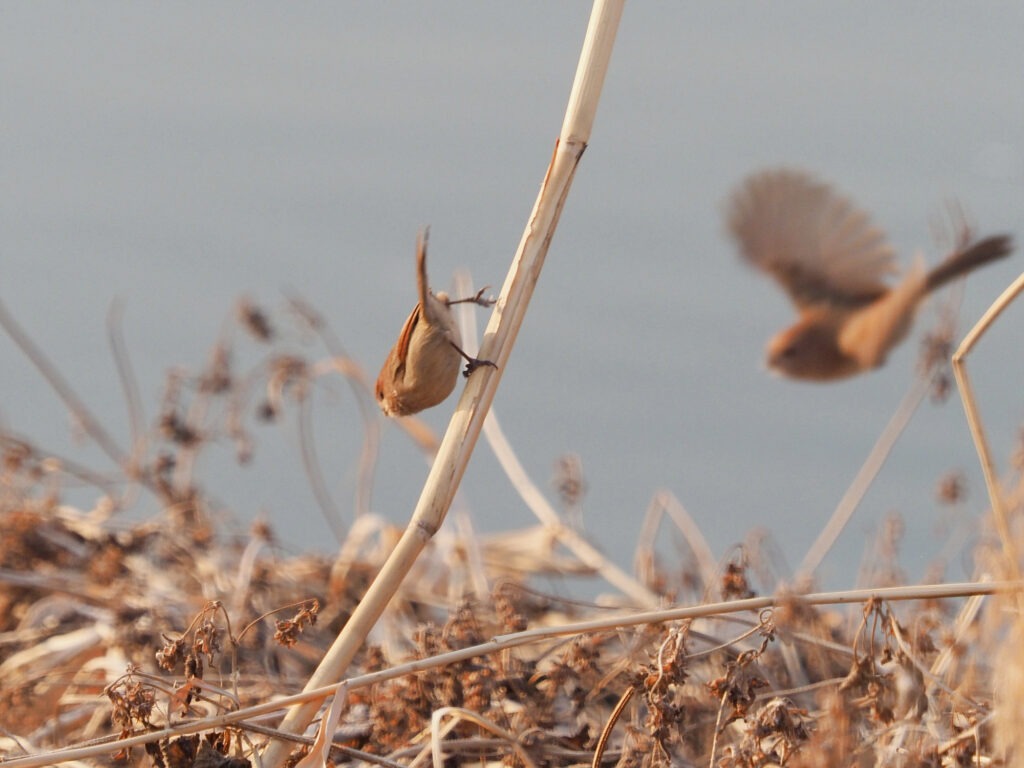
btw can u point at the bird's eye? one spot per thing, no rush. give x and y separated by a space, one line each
789 352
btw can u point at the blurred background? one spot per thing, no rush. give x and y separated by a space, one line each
176 157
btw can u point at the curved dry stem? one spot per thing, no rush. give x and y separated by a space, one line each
314 473
664 503
321 749
995 493
362 391
606 732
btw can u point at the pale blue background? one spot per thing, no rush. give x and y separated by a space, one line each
180 155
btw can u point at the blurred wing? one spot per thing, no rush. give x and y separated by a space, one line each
813 241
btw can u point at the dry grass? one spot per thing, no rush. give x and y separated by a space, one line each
175 642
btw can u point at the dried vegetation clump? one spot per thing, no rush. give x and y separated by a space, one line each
111 628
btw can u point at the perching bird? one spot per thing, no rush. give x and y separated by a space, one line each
423 366
832 262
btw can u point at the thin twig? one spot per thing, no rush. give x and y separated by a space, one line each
53 377
872 465
459 714
572 540
357 754
129 383
10 441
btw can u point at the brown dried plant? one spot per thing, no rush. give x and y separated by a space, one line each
794 686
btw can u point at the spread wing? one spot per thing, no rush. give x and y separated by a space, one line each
814 242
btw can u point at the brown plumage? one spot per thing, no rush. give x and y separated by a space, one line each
831 261
422 368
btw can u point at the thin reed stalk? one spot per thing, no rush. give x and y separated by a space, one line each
865 477
468 419
995 493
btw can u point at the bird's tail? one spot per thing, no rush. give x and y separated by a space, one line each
971 257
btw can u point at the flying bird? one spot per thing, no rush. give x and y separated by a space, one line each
833 263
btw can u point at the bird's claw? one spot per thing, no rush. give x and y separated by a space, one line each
474 363
477 299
